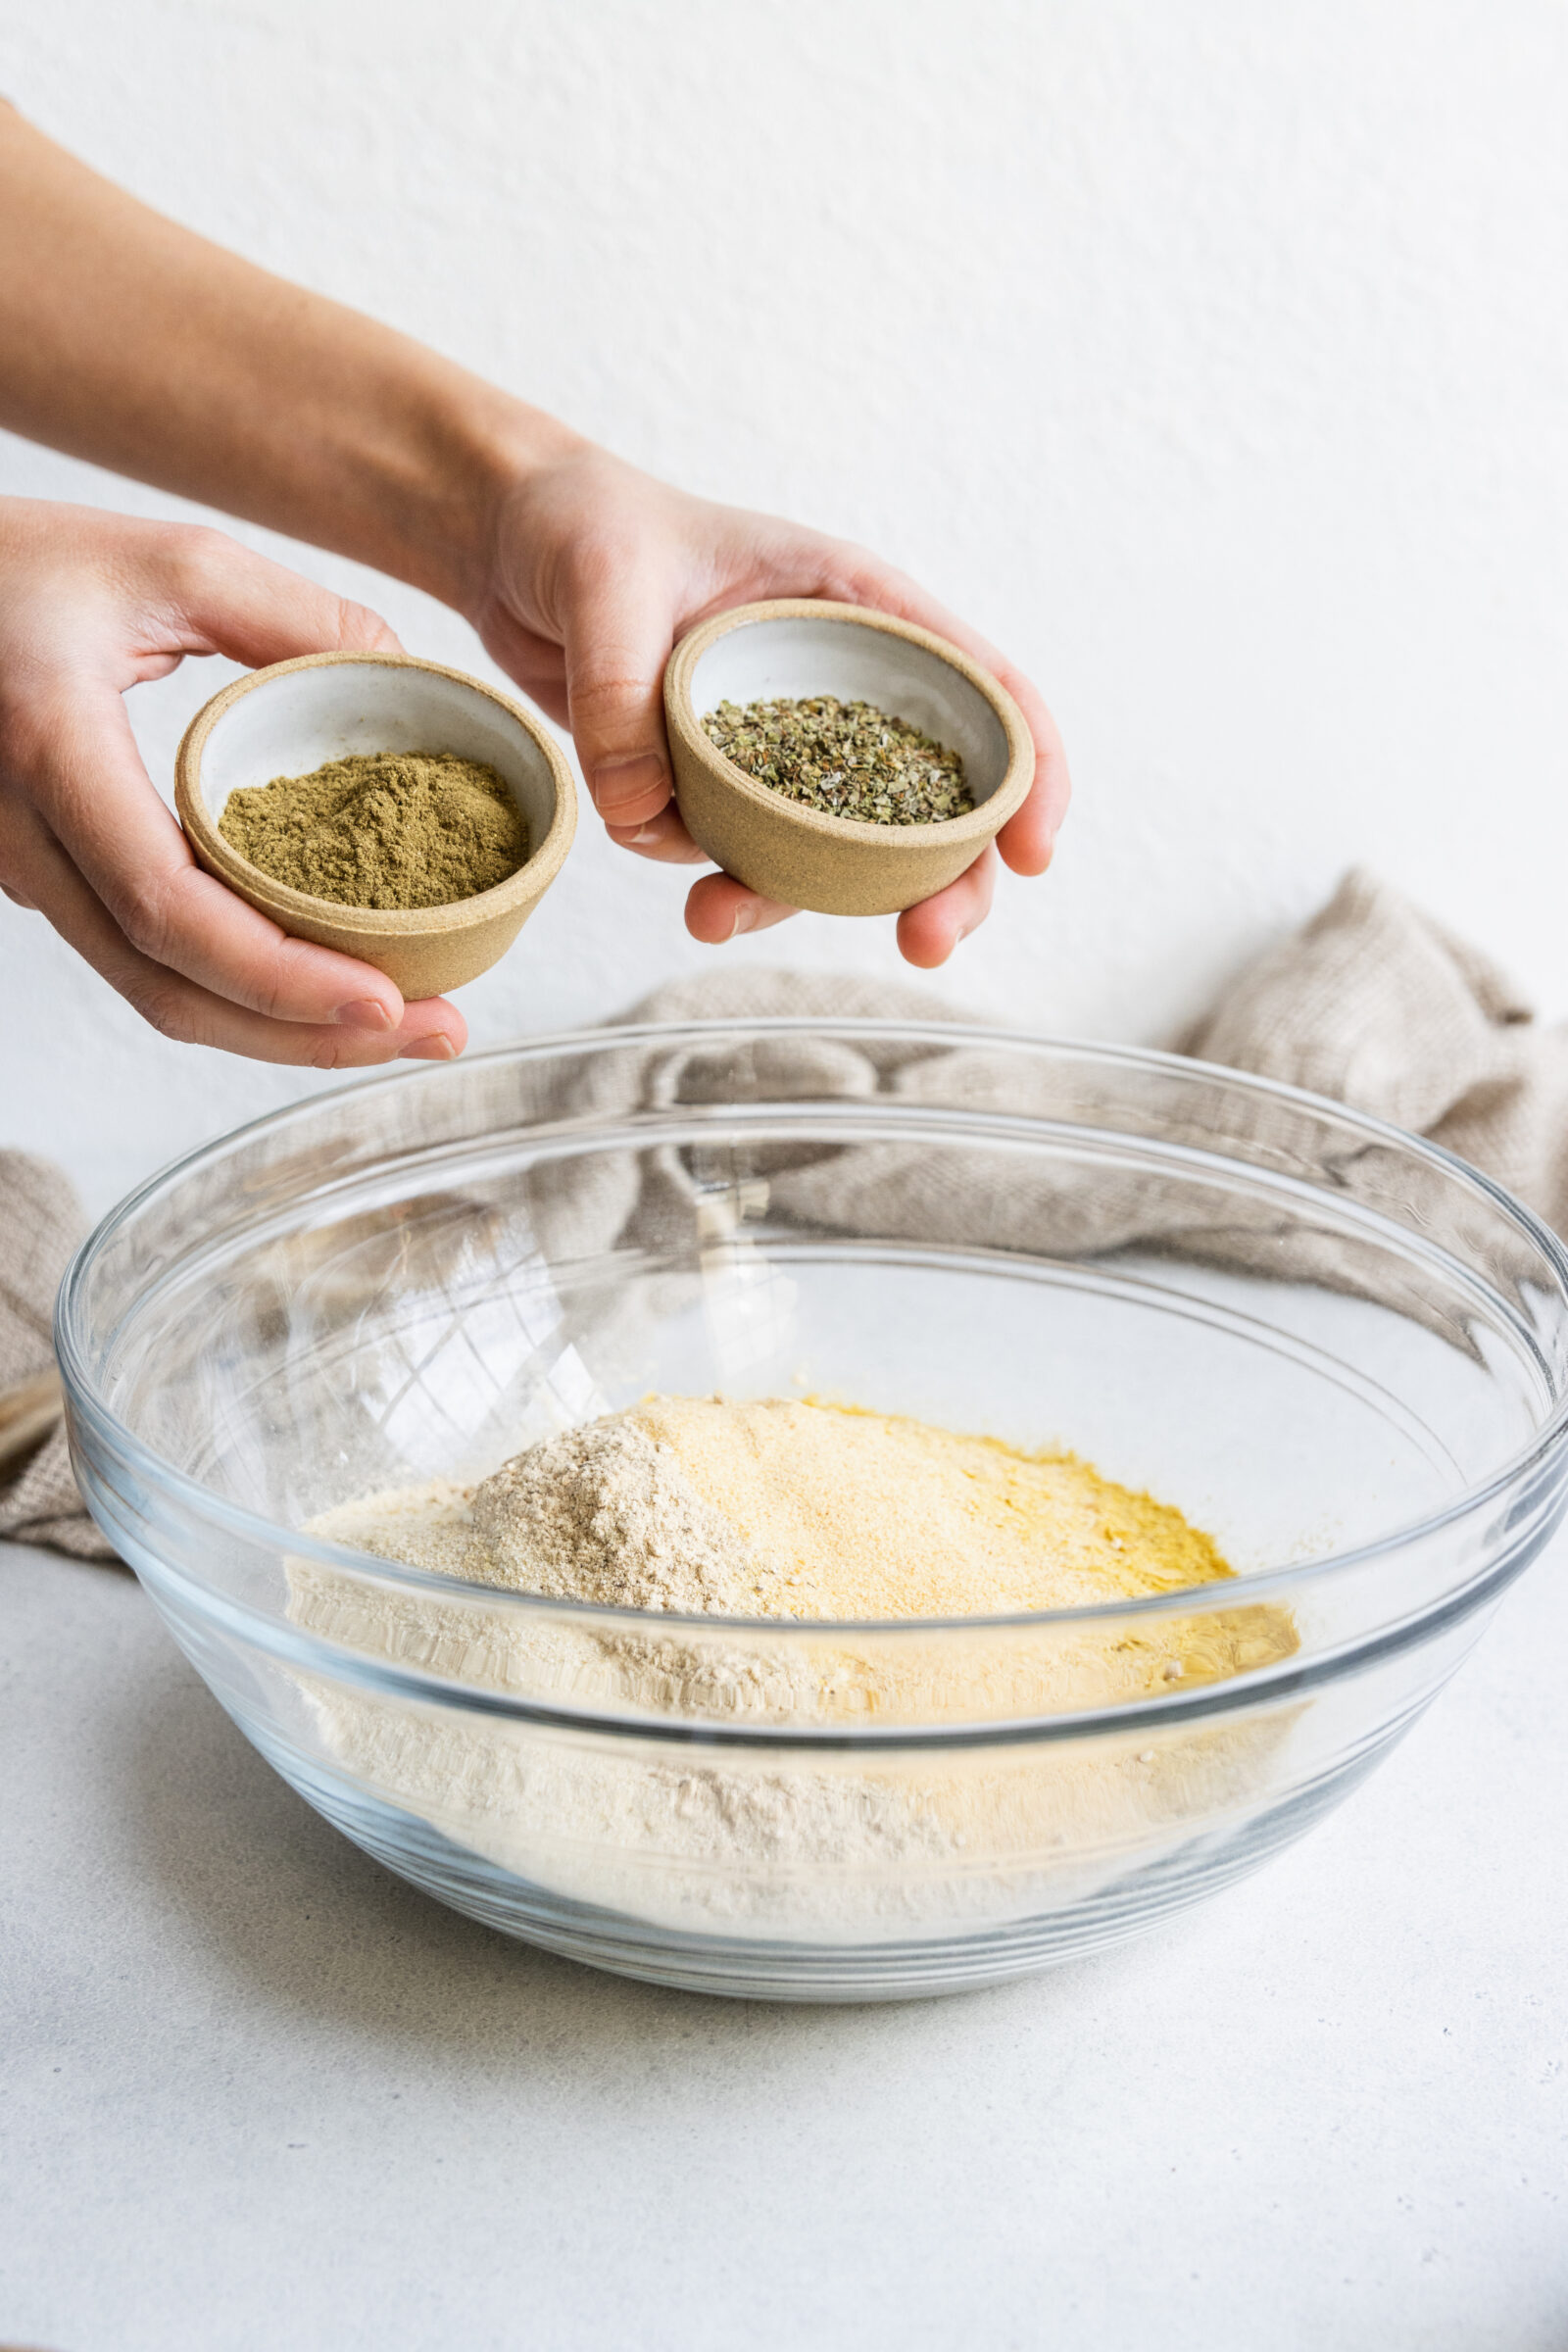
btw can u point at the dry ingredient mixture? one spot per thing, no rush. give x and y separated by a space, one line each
773 1511
844 759
388 829
794 1509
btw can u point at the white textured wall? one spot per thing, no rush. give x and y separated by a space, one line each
1211 356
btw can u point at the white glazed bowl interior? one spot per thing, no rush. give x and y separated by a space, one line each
295 721
800 656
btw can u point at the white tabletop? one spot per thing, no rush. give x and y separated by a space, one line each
256 2094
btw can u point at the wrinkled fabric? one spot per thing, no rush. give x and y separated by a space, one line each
1372 1004
41 1223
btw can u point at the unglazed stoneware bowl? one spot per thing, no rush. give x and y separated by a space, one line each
1341 1353
291 718
798 855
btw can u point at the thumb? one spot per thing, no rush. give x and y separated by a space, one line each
228 599
618 633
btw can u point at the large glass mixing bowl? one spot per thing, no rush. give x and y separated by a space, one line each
1337 1351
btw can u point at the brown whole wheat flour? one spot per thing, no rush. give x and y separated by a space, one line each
685 1508
387 829
605 1513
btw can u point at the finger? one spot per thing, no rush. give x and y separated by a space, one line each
97 798
1028 840
41 872
618 627
929 932
217 597
664 838
720 908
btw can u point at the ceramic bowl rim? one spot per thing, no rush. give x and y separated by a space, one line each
519 889
976 825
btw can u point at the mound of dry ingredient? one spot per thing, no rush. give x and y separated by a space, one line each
387 829
844 759
797 1509
776 1511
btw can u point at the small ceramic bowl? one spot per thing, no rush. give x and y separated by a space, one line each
291 718
839 864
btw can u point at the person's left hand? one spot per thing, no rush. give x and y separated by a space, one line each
91 603
596 570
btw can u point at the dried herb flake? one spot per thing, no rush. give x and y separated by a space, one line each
844 759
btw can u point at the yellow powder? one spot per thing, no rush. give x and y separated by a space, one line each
860 1514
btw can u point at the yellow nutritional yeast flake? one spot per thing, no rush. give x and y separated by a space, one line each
864 1514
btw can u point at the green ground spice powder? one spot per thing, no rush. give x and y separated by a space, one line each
845 758
390 829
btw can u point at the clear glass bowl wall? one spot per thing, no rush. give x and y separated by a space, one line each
1336 1349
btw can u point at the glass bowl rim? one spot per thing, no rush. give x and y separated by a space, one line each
1242 1591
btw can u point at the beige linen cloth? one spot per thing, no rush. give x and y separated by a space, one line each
1372 1004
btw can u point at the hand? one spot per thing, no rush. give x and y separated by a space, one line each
596 570
129 341
91 603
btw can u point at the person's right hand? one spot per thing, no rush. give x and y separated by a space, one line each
589 573
91 603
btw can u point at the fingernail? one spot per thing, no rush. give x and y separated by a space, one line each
745 920
363 1013
437 1046
617 782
